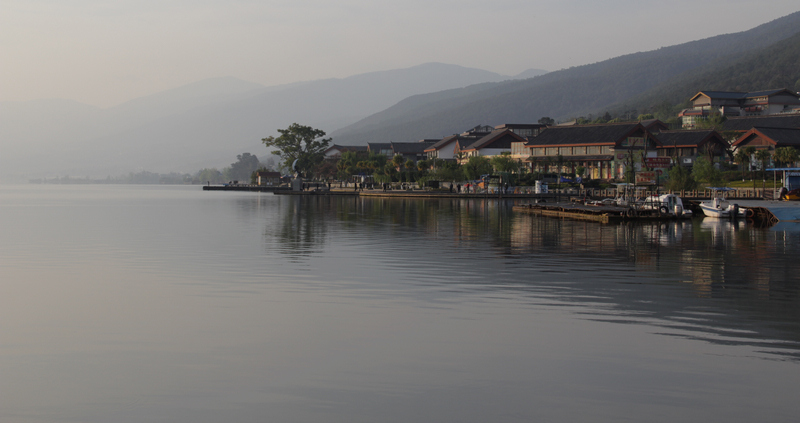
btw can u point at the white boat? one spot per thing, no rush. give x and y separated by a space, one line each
666 205
719 207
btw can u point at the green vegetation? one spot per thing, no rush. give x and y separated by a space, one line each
704 172
680 179
301 143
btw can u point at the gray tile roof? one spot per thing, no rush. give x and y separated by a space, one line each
584 134
772 121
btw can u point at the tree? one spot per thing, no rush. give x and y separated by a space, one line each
714 121
477 166
245 165
212 176
397 161
786 155
579 171
550 121
302 143
703 170
741 157
680 179
505 163
763 156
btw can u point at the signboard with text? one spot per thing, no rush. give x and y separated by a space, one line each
658 162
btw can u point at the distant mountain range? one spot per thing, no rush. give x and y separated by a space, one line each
647 79
199 125
206 124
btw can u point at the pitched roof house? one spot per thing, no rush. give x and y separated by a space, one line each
492 144
727 103
769 139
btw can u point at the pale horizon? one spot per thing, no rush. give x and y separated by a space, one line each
106 54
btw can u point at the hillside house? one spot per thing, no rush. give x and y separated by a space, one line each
730 104
605 150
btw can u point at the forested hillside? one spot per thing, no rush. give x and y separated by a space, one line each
774 67
566 93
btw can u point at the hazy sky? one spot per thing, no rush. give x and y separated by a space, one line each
104 52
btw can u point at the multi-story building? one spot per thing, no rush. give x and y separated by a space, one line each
605 151
729 104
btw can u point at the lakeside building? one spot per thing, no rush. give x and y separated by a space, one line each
414 151
769 139
730 104
685 146
495 143
265 178
605 151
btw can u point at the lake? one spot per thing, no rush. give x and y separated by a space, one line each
170 304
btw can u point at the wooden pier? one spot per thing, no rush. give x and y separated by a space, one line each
602 214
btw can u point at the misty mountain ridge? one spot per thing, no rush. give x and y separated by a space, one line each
202 124
209 122
562 94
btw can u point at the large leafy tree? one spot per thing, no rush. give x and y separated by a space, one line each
704 171
477 166
302 143
245 165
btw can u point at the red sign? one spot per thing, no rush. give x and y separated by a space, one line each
645 177
653 162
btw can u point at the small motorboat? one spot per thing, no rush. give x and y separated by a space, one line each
721 208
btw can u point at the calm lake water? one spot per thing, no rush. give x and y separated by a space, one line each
170 304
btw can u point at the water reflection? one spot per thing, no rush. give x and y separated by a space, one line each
723 282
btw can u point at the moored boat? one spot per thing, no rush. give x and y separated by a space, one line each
719 207
666 205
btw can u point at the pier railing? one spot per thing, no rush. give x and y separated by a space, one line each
737 193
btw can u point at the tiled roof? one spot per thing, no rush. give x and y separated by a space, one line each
442 143
771 121
495 136
684 138
732 95
377 146
584 134
781 136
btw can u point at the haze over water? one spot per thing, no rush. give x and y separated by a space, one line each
170 304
